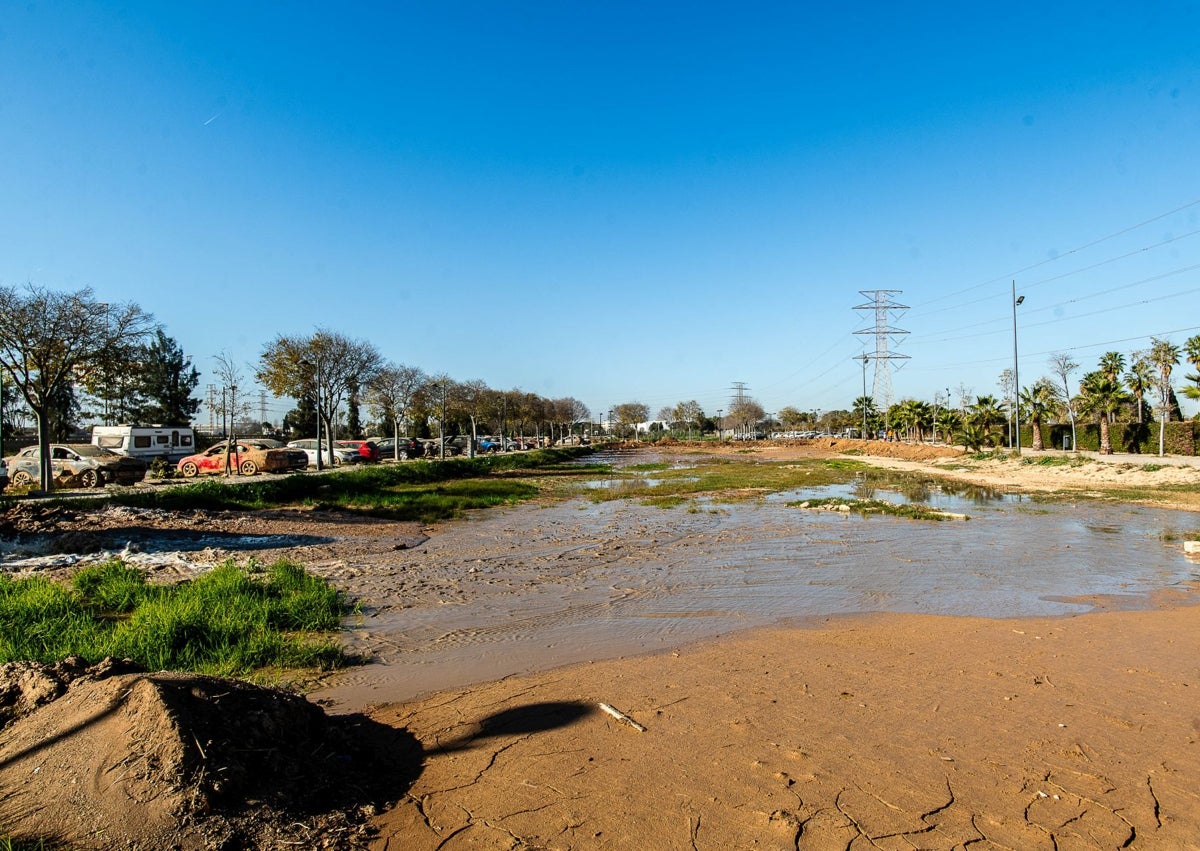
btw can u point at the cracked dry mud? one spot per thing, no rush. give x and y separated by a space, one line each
891 732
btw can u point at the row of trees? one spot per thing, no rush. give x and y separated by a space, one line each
1118 389
327 372
67 357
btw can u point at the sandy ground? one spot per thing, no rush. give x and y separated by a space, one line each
884 731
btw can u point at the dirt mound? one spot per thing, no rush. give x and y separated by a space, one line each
108 758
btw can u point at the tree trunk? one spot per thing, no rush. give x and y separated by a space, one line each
1105 443
1037 435
45 469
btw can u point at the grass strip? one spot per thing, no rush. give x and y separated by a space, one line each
228 622
913 511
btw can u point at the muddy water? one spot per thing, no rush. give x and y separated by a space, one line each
532 588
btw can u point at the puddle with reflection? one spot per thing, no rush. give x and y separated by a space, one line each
535 587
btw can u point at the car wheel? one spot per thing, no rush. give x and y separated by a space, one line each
189 470
22 479
248 468
90 479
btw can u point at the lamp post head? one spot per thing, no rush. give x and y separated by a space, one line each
1020 299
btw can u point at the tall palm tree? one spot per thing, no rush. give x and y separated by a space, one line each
1140 378
1111 364
1101 395
1164 355
1038 400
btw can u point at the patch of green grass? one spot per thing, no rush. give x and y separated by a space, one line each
913 511
1173 535
1151 468
657 465
438 501
229 621
668 501
36 843
1056 460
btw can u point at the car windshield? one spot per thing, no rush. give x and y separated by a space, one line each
91 451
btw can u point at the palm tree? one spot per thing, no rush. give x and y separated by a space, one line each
1038 400
912 414
1191 350
1140 378
985 414
1101 395
865 412
1111 364
948 422
1164 355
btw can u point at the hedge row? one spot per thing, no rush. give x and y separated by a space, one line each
1180 438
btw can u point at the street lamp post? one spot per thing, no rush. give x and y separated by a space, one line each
442 425
720 430
1016 374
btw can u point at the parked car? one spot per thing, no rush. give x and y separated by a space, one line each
341 455
243 458
297 458
367 451
489 444
433 447
76 464
410 447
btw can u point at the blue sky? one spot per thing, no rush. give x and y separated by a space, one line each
616 201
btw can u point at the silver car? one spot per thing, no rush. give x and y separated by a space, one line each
341 455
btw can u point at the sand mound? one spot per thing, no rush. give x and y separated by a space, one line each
108 758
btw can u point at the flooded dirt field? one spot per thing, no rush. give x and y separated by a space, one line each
536 587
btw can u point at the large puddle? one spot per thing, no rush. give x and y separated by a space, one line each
532 588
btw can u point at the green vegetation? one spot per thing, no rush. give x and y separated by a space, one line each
8 843
417 490
913 511
229 621
727 479
1056 460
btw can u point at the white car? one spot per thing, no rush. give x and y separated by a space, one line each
341 455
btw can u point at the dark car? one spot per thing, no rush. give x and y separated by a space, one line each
409 447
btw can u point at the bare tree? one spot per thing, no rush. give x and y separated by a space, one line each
327 362
49 340
391 393
1061 367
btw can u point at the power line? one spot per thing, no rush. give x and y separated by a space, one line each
1058 257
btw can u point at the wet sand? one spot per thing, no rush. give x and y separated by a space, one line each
887 731
893 730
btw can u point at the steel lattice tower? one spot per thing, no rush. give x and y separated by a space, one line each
885 309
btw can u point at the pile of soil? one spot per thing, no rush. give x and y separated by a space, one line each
110 757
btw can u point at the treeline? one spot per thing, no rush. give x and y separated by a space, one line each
66 358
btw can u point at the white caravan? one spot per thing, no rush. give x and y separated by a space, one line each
147 442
